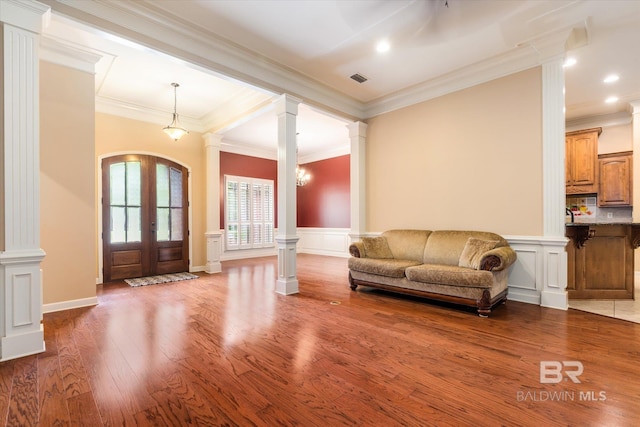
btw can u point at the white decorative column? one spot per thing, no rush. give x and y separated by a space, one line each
635 123
358 137
213 234
554 279
21 330
287 110
553 146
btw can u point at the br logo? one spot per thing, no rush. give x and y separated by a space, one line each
553 371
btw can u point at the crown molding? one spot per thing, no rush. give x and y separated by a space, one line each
606 120
143 114
57 52
527 54
229 146
323 155
149 25
244 104
519 59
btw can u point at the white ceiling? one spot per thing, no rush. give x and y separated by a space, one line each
314 46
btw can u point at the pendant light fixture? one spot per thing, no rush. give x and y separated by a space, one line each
174 130
302 177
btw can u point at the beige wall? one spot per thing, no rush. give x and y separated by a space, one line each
117 135
67 194
467 160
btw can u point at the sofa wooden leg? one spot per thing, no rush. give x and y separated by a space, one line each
484 304
351 283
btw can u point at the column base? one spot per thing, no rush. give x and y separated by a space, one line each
214 251
15 346
287 282
213 267
554 300
287 287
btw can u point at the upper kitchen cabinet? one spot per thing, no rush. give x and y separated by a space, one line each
581 158
615 179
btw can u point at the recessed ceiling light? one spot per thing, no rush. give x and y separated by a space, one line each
569 62
383 46
611 99
611 78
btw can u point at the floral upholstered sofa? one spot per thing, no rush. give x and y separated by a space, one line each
462 267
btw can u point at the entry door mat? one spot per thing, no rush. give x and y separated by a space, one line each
163 278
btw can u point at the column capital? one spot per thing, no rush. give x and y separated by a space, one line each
357 129
554 45
286 103
635 106
212 139
31 16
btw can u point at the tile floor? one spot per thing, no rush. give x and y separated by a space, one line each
620 309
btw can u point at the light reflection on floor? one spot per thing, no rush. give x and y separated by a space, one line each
249 307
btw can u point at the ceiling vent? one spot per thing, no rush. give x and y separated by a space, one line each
359 78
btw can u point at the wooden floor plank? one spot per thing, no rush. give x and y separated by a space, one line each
53 403
6 380
83 410
225 349
73 371
24 407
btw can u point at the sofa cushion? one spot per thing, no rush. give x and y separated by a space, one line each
382 267
376 247
450 275
407 244
473 250
445 246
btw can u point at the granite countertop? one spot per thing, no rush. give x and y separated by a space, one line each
591 221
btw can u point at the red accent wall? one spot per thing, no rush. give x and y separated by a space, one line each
325 201
252 167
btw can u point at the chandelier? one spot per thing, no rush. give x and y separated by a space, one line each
174 130
302 177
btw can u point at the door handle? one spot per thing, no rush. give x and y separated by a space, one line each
153 227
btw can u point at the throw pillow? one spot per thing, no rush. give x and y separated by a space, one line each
376 247
473 251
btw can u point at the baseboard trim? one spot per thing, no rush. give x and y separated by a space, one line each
68 305
526 297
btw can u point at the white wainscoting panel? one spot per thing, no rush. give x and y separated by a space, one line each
324 241
539 275
523 285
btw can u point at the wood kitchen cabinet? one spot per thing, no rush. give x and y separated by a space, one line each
600 260
615 183
581 157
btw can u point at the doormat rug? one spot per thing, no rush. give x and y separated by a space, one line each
163 278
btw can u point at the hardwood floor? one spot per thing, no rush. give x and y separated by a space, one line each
225 349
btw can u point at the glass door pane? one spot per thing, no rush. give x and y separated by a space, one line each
125 202
169 209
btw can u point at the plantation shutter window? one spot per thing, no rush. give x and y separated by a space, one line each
249 213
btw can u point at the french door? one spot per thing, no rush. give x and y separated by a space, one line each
144 216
